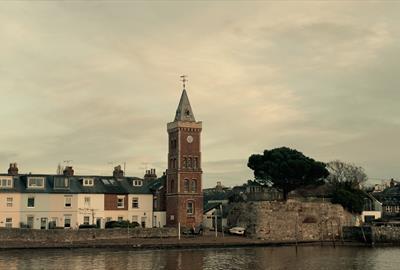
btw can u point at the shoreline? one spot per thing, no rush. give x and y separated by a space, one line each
174 243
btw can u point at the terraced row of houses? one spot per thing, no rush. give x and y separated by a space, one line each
41 201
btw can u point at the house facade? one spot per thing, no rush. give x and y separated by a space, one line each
67 201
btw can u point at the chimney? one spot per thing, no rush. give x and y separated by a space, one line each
68 171
150 174
118 172
13 170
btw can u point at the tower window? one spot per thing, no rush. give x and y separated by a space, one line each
194 185
189 163
186 185
195 162
184 162
171 188
190 208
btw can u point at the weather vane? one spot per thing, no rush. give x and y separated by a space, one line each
184 80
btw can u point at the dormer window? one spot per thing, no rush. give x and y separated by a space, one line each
6 182
36 182
137 183
88 182
61 183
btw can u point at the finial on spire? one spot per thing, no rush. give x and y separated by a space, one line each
184 80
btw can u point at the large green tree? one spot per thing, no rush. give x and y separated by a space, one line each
287 169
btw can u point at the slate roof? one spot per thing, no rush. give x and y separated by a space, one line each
102 185
184 111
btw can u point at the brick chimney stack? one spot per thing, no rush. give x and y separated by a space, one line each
68 171
13 170
150 174
118 172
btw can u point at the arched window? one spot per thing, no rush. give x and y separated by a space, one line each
189 163
195 162
184 162
175 165
186 185
171 188
194 185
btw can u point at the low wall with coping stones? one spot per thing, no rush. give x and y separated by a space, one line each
291 220
60 235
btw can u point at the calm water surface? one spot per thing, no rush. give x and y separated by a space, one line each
310 258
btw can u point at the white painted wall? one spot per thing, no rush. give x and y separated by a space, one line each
50 207
94 209
159 219
376 214
145 210
10 211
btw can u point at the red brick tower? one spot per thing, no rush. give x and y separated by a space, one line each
184 184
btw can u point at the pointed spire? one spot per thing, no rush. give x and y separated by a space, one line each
184 111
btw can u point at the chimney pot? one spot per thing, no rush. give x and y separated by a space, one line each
68 171
13 169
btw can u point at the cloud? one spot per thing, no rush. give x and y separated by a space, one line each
95 83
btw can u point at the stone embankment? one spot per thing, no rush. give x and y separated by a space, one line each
67 236
291 220
373 234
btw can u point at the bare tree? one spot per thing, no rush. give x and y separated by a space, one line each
342 172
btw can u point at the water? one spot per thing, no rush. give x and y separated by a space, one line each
307 258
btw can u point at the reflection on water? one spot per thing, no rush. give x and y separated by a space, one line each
310 258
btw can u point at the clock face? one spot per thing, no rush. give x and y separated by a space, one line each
189 139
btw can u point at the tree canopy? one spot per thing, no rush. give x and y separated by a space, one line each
342 172
287 169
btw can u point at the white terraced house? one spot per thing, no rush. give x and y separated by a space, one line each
67 201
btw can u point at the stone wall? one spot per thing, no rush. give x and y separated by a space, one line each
291 220
60 235
384 234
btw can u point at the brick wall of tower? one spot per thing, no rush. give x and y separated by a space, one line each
177 195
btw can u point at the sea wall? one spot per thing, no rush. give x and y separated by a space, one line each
60 235
385 234
291 220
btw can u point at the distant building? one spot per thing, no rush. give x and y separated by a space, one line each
372 209
255 190
390 198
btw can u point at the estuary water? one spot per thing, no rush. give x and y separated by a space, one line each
307 258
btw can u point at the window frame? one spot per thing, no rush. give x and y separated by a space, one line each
122 205
32 199
9 201
8 222
29 184
193 185
135 203
186 185
66 183
70 222
8 182
87 201
66 198
86 220
88 182
192 207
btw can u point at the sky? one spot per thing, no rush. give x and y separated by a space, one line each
97 82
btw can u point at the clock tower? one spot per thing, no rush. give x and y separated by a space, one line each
184 184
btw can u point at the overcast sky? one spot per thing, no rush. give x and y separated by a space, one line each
97 82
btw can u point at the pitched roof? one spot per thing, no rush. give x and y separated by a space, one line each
184 111
101 185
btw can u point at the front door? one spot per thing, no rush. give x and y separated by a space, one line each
43 223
